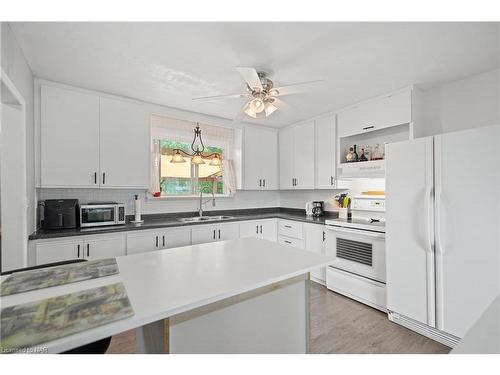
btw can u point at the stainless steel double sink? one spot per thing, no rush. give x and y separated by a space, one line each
195 219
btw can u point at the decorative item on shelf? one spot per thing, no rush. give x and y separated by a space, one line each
350 157
377 153
197 155
137 208
368 151
363 157
356 157
157 194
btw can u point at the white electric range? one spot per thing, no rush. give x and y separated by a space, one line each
357 245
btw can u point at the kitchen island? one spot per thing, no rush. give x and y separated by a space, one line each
241 296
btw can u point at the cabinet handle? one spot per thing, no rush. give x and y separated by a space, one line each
214 234
368 127
296 181
288 226
331 180
257 229
78 254
88 249
95 178
104 178
323 236
260 183
163 241
219 234
261 229
287 242
264 182
156 241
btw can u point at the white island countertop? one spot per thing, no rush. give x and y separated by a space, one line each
164 283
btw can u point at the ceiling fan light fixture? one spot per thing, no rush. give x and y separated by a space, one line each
274 92
270 108
248 110
257 105
177 158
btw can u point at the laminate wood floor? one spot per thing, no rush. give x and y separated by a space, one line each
339 325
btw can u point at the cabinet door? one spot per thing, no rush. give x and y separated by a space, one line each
204 234
315 235
58 251
124 144
141 242
303 160
175 237
325 153
286 158
105 247
69 138
268 229
252 167
228 232
250 229
267 147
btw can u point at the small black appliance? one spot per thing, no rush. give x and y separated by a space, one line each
60 214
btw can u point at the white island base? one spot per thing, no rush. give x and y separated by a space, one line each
271 319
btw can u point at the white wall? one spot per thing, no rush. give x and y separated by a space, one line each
16 67
467 103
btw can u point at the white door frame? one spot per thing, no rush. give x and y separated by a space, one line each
15 100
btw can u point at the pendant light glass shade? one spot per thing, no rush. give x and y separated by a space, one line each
177 158
215 160
257 105
250 112
197 159
270 108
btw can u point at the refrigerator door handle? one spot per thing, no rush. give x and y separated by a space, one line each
428 219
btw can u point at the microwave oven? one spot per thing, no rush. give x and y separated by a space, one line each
96 214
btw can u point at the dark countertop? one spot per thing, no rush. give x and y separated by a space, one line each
157 221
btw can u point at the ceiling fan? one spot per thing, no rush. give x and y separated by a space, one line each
263 97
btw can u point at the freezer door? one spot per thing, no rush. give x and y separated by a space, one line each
467 222
409 229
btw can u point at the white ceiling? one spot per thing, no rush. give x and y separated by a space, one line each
170 63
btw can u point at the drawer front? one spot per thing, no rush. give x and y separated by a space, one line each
290 228
293 242
367 291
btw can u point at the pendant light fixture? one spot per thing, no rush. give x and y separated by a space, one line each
197 155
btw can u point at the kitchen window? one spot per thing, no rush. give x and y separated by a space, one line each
185 179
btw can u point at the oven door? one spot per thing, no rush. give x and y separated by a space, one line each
96 215
357 251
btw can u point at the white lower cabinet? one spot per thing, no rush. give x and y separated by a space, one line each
293 242
92 247
97 247
265 229
143 241
216 232
52 251
315 242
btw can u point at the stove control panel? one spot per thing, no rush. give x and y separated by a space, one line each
368 204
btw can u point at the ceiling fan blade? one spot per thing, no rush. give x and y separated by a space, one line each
251 77
295 87
282 105
222 97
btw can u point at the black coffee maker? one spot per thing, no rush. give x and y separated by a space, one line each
318 208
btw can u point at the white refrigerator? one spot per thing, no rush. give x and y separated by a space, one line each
443 231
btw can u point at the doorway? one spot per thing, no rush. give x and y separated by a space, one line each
13 198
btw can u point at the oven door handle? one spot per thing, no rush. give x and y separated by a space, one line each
365 233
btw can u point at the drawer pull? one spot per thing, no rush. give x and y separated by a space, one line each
288 226
287 242
368 127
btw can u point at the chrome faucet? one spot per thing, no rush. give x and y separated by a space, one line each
200 209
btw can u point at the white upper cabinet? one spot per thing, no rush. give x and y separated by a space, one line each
297 157
92 141
383 112
124 144
260 166
286 158
69 138
325 152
